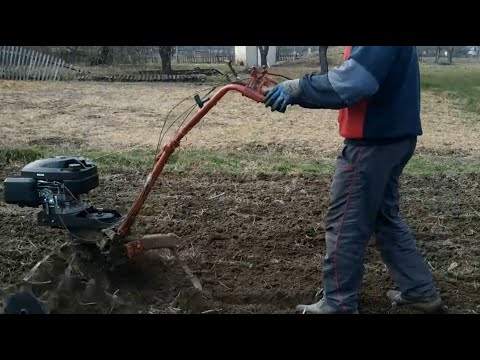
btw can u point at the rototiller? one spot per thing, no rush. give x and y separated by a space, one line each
57 184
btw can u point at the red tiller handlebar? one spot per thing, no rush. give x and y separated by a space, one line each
252 88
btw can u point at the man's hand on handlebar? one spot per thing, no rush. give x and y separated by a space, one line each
282 95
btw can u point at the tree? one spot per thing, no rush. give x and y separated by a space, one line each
437 53
106 55
73 51
103 57
322 50
263 54
450 54
166 56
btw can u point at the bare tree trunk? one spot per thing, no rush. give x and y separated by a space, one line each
322 50
75 50
450 54
106 56
165 54
437 54
72 54
263 55
419 55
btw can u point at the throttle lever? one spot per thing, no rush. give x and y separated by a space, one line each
199 101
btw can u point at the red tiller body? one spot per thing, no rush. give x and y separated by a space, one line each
252 88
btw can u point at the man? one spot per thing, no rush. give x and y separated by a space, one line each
377 91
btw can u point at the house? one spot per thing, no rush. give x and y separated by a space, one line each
250 56
473 51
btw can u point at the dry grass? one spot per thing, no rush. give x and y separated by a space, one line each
112 117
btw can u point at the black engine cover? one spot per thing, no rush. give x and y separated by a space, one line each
21 191
78 174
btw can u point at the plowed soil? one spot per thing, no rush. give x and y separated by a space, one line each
255 244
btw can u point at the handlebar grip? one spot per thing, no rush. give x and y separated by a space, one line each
199 101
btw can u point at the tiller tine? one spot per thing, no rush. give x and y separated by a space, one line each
120 254
151 242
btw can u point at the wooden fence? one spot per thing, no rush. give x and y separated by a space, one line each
288 57
204 59
17 63
207 59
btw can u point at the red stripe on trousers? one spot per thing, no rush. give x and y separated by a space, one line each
354 177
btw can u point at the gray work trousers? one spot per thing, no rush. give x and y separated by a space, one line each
365 203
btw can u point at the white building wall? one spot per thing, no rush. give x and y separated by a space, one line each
240 54
250 56
271 56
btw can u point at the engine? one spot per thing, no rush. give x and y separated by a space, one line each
56 184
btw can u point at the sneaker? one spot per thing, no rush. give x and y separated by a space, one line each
322 307
425 306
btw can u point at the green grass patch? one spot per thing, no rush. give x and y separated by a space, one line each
230 162
460 82
8 156
448 165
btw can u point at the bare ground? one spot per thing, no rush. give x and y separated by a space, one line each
121 117
259 246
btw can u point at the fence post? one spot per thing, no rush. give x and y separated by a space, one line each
53 72
2 57
34 65
10 62
17 63
31 54
22 65
45 68
2 61
41 61
21 71
38 66
43 57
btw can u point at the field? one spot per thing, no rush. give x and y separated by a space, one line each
247 191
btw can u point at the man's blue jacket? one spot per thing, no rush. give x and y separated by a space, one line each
377 90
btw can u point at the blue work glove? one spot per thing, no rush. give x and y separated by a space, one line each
282 95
